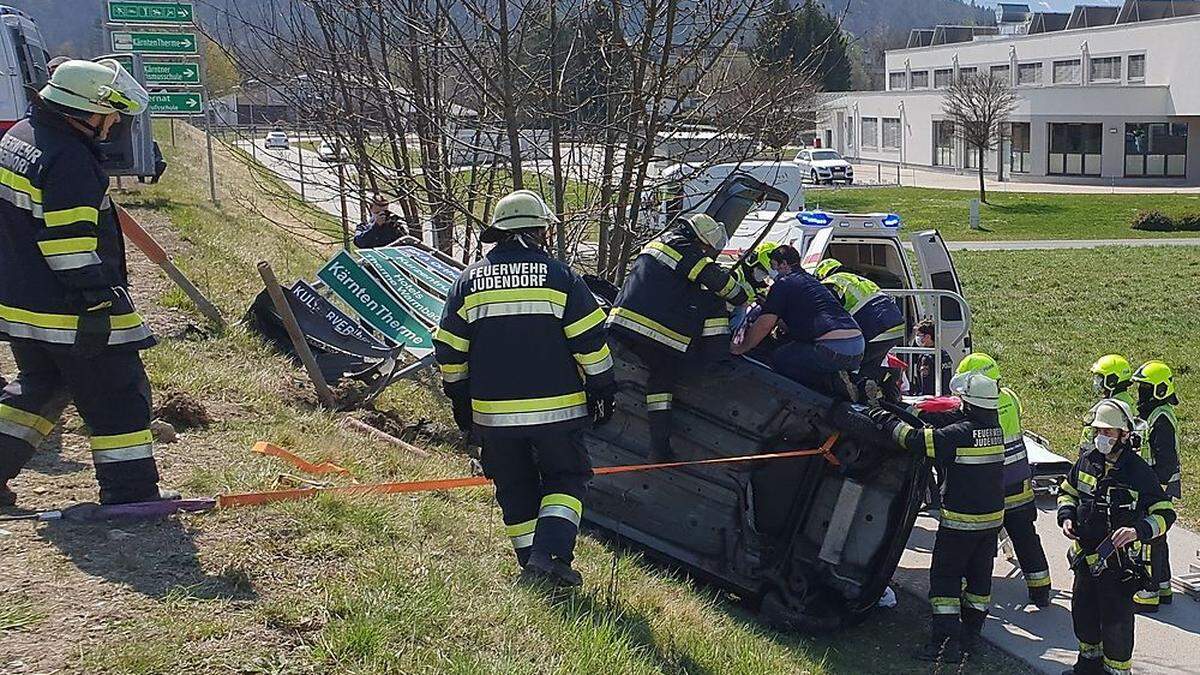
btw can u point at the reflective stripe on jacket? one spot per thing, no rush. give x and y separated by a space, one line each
877 314
675 294
61 249
1018 476
519 336
1161 448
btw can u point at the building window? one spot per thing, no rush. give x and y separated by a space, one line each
1075 149
850 133
1105 69
1066 72
1018 147
943 143
870 132
1137 67
964 73
920 79
891 133
1156 149
1029 73
942 78
897 81
1001 73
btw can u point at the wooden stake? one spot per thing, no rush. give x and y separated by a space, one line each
297 337
362 426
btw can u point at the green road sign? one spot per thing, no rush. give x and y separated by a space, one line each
367 298
176 103
132 11
166 72
154 43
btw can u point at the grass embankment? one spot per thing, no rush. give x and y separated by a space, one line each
1010 215
1047 315
412 584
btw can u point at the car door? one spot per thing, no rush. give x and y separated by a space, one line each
803 160
937 271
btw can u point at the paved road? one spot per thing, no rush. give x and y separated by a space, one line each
1167 642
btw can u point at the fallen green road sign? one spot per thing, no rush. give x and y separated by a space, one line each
368 299
176 103
132 11
154 43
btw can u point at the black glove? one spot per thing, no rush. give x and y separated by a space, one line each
602 403
462 413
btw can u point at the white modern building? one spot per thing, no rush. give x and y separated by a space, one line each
1105 94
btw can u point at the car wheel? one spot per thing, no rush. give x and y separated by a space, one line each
812 177
849 181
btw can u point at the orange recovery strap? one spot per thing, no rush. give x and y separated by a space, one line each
272 450
260 498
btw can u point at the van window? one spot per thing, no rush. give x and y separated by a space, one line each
31 59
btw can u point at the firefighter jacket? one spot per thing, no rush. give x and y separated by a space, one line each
1100 496
520 335
1160 449
61 250
968 448
1018 476
877 314
675 294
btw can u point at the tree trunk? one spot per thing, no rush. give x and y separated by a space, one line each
982 190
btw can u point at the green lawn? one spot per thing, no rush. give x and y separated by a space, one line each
1047 315
1010 215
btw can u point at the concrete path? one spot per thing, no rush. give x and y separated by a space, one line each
1167 642
913 176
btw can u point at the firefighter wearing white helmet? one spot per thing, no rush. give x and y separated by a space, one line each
967 445
674 308
524 360
64 304
1111 505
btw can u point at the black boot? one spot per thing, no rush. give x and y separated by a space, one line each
1086 667
553 571
969 642
1040 596
661 453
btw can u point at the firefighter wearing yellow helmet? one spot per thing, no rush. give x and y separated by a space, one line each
1157 399
674 301
876 312
64 304
1112 377
1020 511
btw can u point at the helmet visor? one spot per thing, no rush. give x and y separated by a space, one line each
1098 384
124 95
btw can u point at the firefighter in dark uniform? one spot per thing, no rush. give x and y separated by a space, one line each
64 305
522 351
1110 505
674 301
1020 508
1112 377
1156 401
876 312
968 447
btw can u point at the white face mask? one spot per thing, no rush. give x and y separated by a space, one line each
1105 444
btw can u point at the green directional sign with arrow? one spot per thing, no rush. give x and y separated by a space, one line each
167 72
176 103
135 11
154 43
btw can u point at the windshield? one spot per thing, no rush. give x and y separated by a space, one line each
825 154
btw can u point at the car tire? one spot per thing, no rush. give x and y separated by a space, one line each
849 181
812 177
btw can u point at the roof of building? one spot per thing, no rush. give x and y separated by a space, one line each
944 35
919 37
1012 12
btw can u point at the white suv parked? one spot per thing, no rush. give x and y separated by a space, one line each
821 165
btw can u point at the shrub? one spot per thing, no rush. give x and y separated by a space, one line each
1188 223
1153 221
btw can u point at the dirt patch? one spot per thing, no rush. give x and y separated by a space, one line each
183 411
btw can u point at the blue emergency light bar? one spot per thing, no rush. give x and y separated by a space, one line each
826 219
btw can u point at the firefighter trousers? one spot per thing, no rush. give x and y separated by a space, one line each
664 366
1102 614
960 580
1020 523
111 393
1157 556
873 367
540 479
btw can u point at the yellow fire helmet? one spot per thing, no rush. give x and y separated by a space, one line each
1110 372
983 363
1158 376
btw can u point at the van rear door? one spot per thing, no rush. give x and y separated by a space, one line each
816 249
937 271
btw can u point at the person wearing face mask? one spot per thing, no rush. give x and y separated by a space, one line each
924 364
967 445
1110 505
823 344
64 304
1156 404
1112 377
673 306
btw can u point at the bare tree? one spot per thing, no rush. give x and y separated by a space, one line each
979 106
